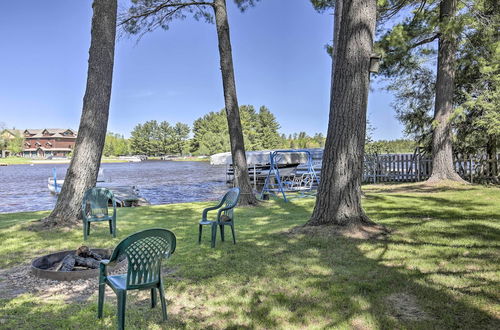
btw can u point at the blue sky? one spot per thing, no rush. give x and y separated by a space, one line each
173 75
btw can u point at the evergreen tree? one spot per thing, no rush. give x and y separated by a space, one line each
268 129
406 47
180 133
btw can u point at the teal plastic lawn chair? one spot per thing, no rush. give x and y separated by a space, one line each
225 216
95 209
144 251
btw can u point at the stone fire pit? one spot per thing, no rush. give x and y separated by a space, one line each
45 266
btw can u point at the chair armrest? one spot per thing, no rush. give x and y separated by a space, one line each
103 268
222 210
205 211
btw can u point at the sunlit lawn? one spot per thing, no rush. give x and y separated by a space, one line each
443 253
14 160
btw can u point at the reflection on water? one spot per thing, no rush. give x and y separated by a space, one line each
24 187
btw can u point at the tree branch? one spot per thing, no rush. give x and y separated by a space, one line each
155 10
424 41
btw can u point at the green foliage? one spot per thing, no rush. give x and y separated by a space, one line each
303 141
268 129
180 134
158 139
260 131
115 145
409 49
322 5
15 144
477 118
3 142
398 146
210 134
147 15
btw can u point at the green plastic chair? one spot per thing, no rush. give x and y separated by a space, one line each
95 209
144 251
225 216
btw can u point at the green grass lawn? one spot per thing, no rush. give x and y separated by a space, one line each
14 160
438 269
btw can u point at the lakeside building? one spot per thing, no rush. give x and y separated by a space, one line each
48 142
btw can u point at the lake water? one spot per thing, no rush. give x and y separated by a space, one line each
24 187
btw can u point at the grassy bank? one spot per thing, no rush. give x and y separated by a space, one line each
191 159
439 269
14 160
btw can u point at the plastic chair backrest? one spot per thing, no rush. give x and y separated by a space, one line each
230 200
97 199
144 251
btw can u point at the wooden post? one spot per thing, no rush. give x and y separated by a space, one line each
471 170
254 178
417 168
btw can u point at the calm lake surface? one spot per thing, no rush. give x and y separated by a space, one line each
24 187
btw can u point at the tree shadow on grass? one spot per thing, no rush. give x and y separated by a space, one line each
274 279
420 187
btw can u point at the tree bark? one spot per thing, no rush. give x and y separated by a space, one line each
84 166
339 193
241 176
442 155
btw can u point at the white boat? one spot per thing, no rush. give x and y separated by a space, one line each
133 159
55 185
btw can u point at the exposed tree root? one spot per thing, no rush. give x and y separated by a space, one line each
53 223
443 177
361 229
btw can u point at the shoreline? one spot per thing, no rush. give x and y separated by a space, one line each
22 161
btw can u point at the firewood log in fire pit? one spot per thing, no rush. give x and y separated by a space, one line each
85 252
83 257
66 264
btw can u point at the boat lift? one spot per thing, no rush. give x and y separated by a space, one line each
274 183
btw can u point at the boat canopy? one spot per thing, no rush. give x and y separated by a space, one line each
263 157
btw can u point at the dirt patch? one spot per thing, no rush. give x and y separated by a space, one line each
358 231
359 324
19 280
405 306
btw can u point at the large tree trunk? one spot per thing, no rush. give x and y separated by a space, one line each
231 102
84 166
442 156
339 193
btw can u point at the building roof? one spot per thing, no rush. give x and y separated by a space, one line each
54 132
48 149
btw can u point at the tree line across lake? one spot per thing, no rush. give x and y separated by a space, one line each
210 136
